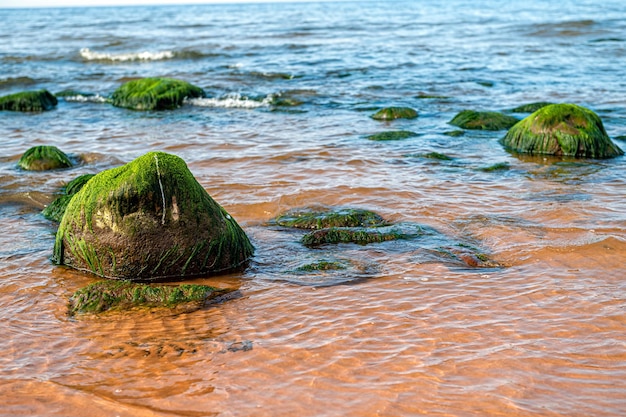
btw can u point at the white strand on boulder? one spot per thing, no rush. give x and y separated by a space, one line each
160 185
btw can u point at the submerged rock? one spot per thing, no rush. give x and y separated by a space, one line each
394 135
154 94
392 113
485 120
562 130
149 220
361 236
55 210
530 107
44 158
325 218
29 101
124 295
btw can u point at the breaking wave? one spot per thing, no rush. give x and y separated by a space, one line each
232 100
90 55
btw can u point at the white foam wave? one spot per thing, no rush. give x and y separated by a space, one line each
90 55
97 98
234 100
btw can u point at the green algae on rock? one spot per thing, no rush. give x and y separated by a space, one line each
115 295
394 135
530 107
500 166
561 130
29 101
485 120
392 113
361 236
322 265
154 94
324 218
55 210
44 158
149 220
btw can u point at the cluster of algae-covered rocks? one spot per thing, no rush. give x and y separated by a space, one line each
146 221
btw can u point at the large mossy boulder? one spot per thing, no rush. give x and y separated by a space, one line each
483 120
562 130
149 220
44 158
154 94
392 113
118 295
29 101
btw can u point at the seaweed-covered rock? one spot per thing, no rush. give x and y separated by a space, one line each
392 113
44 158
324 218
562 130
29 101
154 94
112 295
149 220
55 210
394 135
530 107
483 120
322 265
361 236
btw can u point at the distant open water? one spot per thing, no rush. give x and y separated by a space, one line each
290 91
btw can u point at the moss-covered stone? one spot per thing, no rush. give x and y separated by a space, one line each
320 219
394 135
118 295
530 107
361 236
562 130
29 101
154 94
322 265
55 210
149 220
484 120
500 166
454 133
44 158
392 113
436 155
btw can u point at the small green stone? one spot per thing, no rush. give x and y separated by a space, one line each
395 135
44 158
392 113
154 94
488 120
29 101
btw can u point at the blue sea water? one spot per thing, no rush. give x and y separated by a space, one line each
290 91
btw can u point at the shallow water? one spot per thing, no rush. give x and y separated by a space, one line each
401 332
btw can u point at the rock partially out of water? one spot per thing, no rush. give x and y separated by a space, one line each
149 220
44 158
392 113
562 130
29 101
154 94
110 295
485 120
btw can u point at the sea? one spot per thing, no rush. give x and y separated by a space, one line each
287 125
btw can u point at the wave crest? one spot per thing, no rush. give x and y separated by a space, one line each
90 55
233 100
